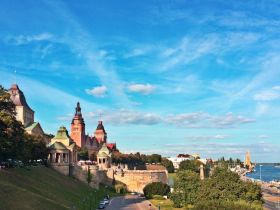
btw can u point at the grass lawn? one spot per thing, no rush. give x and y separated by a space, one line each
164 204
43 188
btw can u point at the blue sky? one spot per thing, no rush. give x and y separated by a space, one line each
166 77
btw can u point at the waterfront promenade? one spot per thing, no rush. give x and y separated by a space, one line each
271 195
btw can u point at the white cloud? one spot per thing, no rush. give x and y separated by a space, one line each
25 39
136 52
123 116
187 50
99 91
276 88
205 120
141 88
204 138
263 136
267 95
262 109
184 120
219 149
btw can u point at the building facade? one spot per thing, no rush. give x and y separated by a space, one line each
24 113
92 143
63 151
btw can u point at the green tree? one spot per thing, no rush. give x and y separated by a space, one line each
226 185
14 142
156 188
168 165
186 187
11 130
192 165
83 154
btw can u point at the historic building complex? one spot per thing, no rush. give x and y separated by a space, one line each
24 113
91 143
64 149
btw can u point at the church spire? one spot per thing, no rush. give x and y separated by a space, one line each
78 127
78 110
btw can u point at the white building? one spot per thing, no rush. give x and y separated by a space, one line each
177 160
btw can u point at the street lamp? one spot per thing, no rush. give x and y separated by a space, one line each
261 172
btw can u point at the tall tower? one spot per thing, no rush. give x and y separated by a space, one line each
24 113
100 133
78 127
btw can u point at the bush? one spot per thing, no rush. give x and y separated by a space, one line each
220 204
120 188
156 188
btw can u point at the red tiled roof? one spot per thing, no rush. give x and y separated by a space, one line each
111 146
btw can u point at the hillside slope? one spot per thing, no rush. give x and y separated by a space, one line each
43 188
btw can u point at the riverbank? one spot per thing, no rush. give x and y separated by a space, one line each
270 192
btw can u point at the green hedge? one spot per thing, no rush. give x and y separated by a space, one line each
156 188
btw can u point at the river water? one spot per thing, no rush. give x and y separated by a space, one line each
266 173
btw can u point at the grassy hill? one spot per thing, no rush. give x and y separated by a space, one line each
43 188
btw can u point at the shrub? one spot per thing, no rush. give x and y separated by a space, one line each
221 204
156 188
120 188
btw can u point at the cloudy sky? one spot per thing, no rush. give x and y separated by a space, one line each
166 77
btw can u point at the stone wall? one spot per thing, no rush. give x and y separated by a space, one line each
136 180
61 168
81 173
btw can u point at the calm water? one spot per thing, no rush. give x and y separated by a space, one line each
268 173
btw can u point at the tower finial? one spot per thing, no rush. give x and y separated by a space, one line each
78 109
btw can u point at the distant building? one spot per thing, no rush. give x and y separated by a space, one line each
63 151
24 113
177 160
104 157
92 143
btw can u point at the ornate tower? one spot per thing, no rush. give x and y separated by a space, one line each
78 127
100 133
24 113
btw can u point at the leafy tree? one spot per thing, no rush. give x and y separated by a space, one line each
15 144
83 154
156 188
226 185
154 158
186 187
168 165
11 130
192 165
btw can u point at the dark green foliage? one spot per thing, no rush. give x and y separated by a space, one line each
15 144
168 165
187 184
192 165
219 191
83 154
226 185
156 188
135 159
224 205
